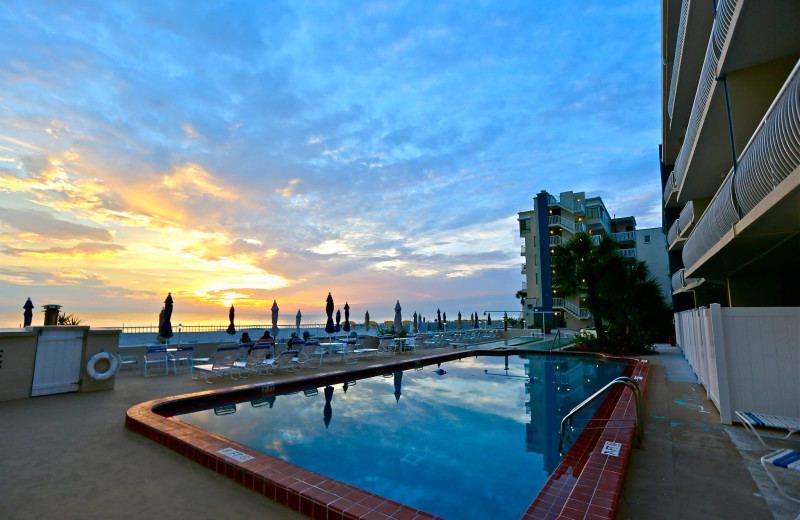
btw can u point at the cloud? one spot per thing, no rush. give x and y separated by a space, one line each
82 250
43 225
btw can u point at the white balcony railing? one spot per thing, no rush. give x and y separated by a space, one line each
674 233
719 33
676 60
686 219
625 236
680 283
556 240
569 225
524 269
670 187
522 251
627 253
571 206
524 286
772 153
578 312
596 239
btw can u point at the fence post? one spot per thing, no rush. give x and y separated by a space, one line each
718 335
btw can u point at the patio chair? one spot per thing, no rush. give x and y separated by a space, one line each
753 421
411 343
307 355
156 356
226 362
128 360
182 360
257 361
286 361
210 359
385 346
786 459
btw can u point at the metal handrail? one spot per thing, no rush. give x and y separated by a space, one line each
622 380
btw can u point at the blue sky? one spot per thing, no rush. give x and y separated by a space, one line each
240 152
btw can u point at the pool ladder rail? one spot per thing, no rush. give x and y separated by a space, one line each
637 395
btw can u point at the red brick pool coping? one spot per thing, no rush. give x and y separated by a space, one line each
585 485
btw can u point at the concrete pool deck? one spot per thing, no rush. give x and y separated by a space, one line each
70 456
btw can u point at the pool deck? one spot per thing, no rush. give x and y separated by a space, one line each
70 456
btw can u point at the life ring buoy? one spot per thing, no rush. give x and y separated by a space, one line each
113 364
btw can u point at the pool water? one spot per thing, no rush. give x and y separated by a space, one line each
469 439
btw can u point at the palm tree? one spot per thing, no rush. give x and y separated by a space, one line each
582 268
521 294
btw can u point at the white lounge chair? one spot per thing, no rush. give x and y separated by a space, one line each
225 363
156 356
753 421
257 362
182 360
787 459
286 361
127 360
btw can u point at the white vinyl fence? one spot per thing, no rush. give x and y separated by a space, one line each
747 358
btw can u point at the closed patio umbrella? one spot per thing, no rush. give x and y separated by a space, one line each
346 326
366 320
327 411
338 320
297 321
27 316
444 320
489 320
275 319
231 328
459 319
476 319
165 326
398 317
415 322
438 319
329 327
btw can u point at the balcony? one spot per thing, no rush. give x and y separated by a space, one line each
625 236
579 312
569 225
524 269
670 191
522 252
524 286
572 207
682 284
768 172
556 240
674 240
627 253
686 220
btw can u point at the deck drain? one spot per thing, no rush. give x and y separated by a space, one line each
412 459
235 454
611 448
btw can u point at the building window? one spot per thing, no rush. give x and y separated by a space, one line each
647 239
537 278
592 212
525 225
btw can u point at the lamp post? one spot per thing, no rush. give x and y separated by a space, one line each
180 326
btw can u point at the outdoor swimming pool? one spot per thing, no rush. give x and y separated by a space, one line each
471 438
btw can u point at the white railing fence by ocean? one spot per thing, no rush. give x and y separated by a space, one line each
745 357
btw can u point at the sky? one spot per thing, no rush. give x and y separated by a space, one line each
236 153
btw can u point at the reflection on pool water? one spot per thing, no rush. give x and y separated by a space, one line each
474 440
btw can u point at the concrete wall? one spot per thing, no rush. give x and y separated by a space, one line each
747 358
18 359
17 356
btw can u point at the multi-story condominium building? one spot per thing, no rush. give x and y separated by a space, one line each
552 222
730 171
730 151
650 246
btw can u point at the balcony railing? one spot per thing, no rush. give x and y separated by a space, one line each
676 61
627 253
771 155
556 240
571 206
524 268
625 236
670 187
578 312
723 17
569 225
524 286
680 283
686 219
596 239
522 251
674 233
